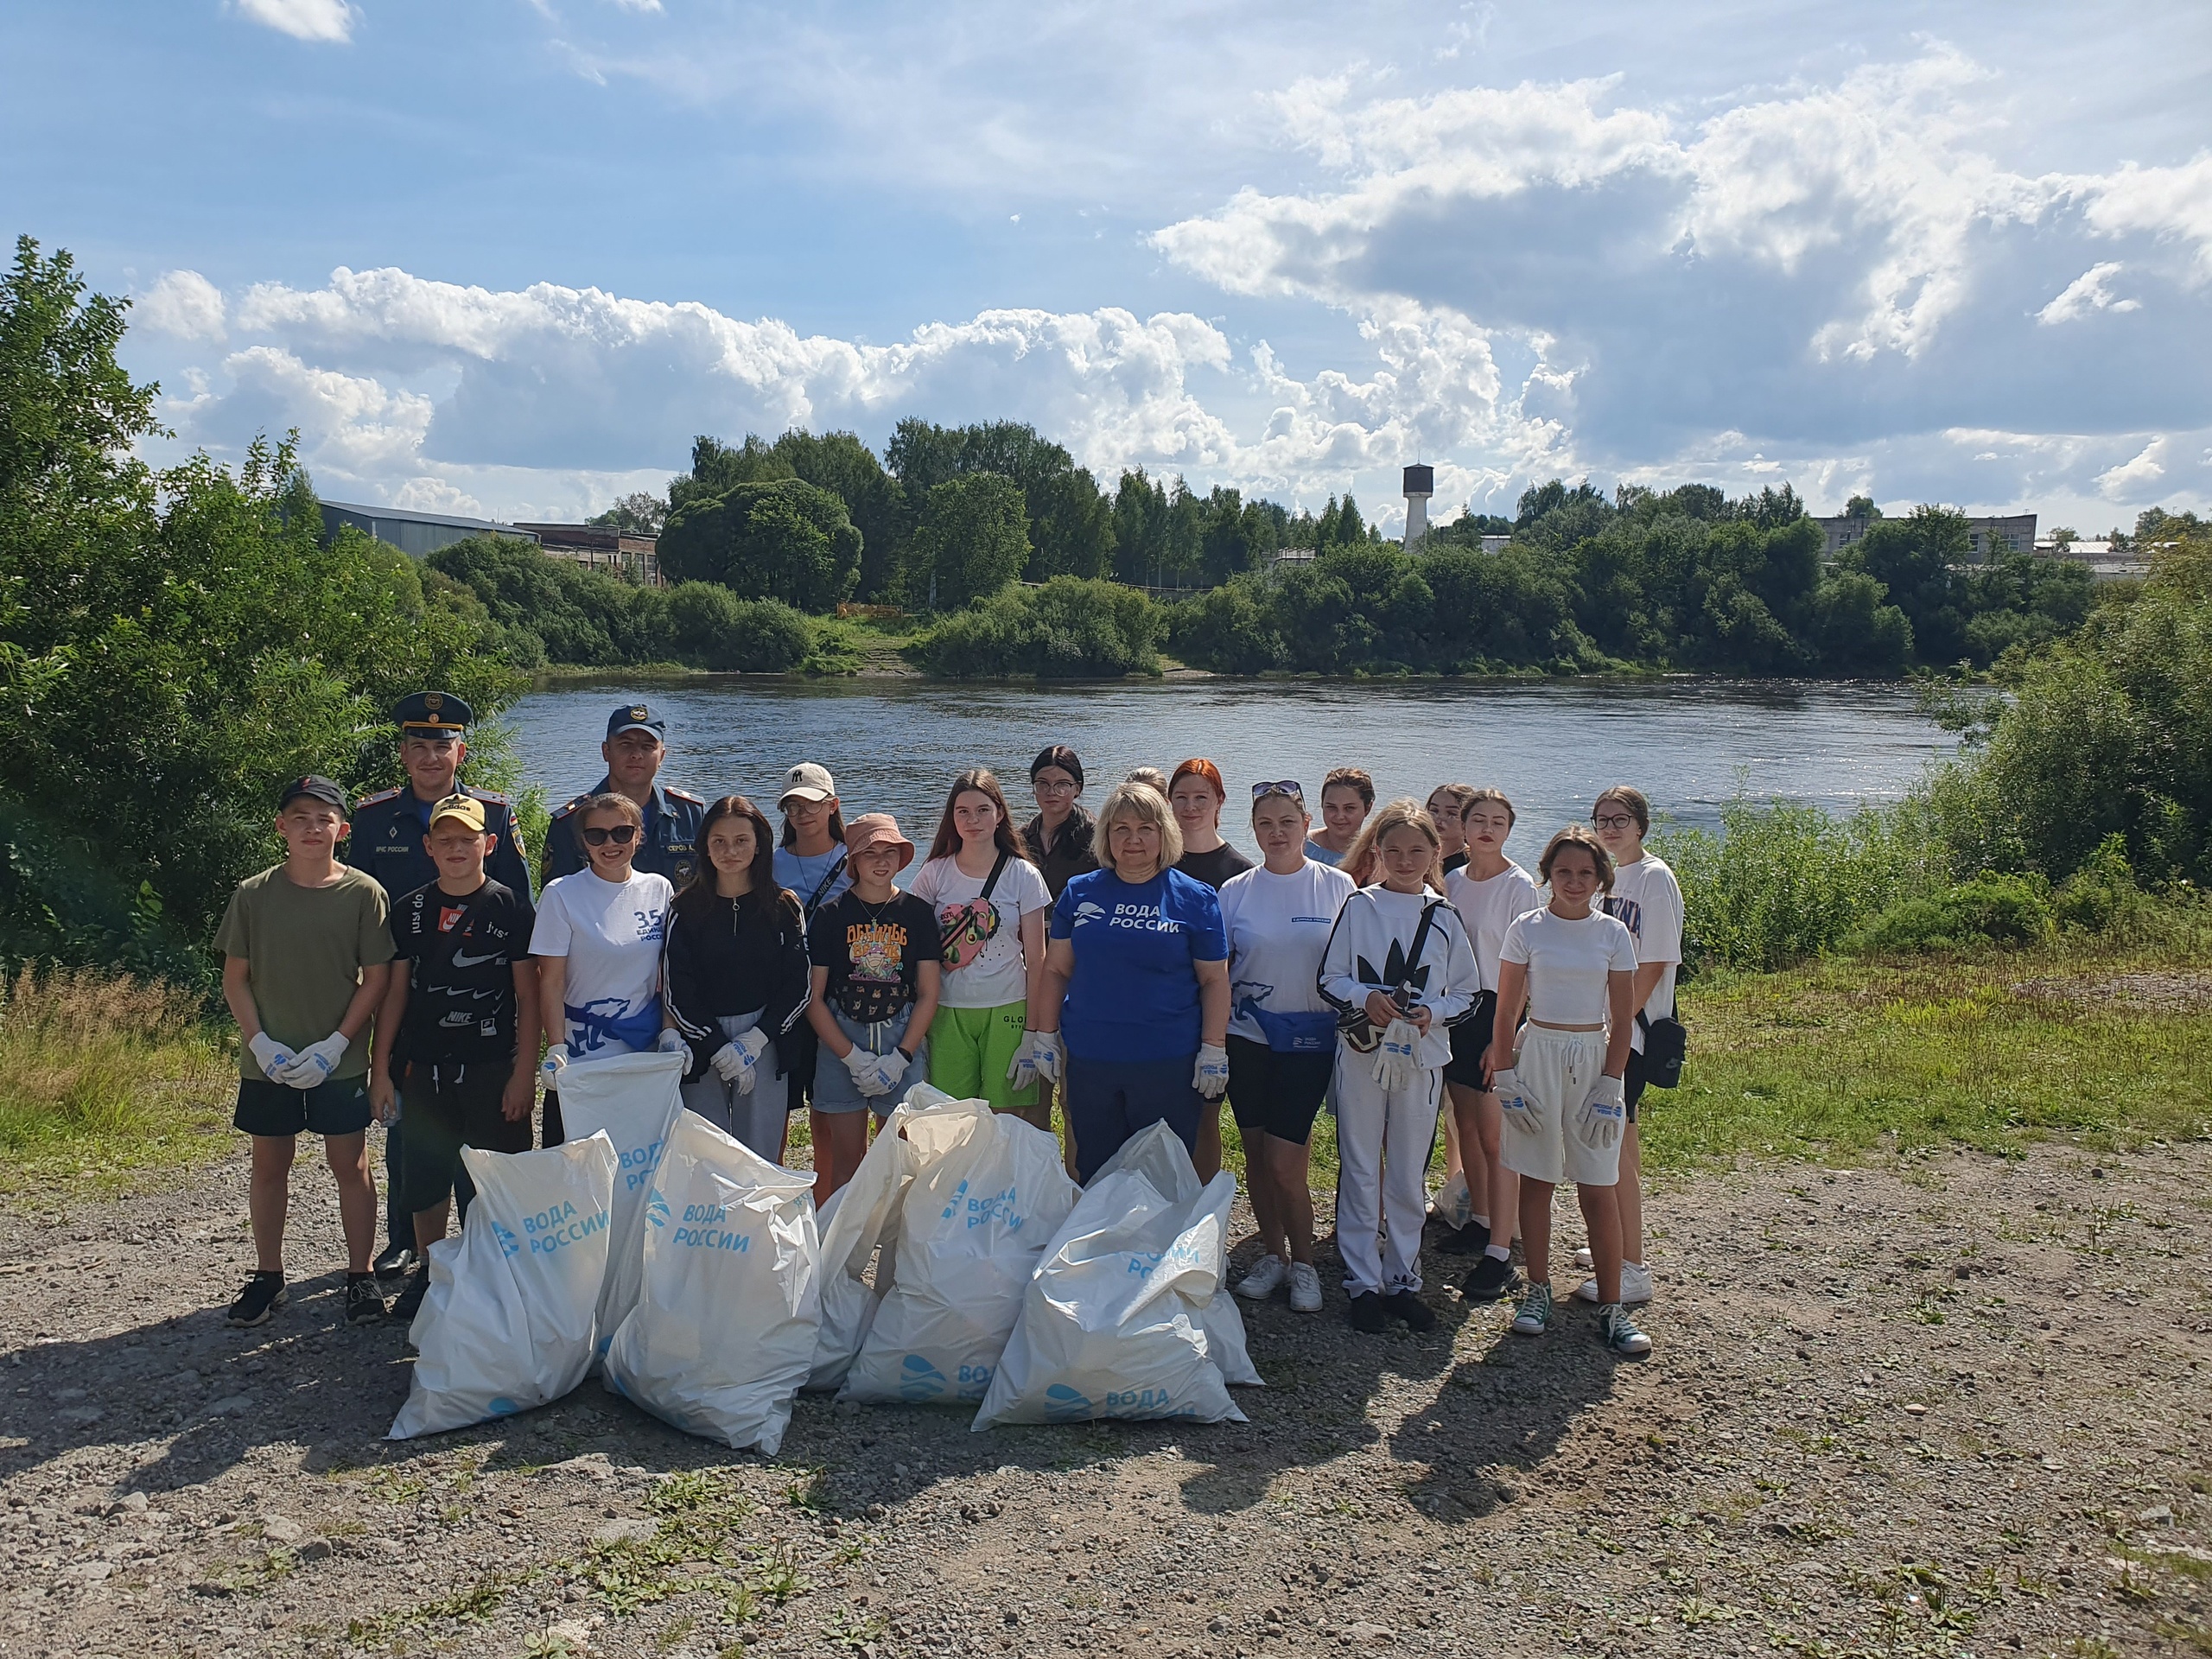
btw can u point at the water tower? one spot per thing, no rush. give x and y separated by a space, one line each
1420 484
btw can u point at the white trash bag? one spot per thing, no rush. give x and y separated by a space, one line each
507 1321
986 1193
1453 1204
722 1336
861 1217
633 1099
1128 1315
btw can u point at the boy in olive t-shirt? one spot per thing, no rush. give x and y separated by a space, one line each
306 950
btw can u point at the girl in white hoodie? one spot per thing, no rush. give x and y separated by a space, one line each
1399 972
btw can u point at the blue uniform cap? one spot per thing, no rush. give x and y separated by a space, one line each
433 714
635 717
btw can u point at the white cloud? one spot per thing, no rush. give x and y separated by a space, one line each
182 304
303 20
2129 481
354 419
2170 203
2090 291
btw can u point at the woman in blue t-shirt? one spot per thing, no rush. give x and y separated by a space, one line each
1137 986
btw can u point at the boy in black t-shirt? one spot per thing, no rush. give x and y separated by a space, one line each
877 953
456 1037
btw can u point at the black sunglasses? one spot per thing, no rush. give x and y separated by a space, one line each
621 835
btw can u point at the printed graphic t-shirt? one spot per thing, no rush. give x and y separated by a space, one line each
611 933
1648 901
874 952
982 936
1134 994
304 949
1277 926
461 954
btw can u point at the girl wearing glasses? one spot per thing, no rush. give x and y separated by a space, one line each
598 944
1282 1037
1062 837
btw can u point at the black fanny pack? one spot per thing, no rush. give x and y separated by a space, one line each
1666 1041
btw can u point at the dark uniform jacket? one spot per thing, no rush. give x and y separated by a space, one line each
670 846
387 841
1071 852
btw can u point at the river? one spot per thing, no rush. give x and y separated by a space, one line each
1550 745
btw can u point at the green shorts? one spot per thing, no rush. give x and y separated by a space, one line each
970 1049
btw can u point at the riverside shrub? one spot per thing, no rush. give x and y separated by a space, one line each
1068 629
1991 909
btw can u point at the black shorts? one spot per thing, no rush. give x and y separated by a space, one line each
443 1114
1276 1094
339 1106
1469 1039
1633 1081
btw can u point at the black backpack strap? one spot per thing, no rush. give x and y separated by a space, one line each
997 870
828 882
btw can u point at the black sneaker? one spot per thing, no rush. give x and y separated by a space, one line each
1489 1280
263 1295
409 1302
1405 1304
1366 1314
364 1302
1470 1240
395 1261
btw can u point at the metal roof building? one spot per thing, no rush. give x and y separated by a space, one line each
413 533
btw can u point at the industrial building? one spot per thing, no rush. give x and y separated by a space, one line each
415 534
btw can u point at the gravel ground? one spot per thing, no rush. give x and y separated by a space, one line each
1944 1405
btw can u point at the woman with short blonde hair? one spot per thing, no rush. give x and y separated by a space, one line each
1139 803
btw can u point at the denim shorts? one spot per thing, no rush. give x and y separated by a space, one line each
833 1084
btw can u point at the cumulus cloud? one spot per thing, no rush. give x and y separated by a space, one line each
2127 482
2090 291
303 20
182 304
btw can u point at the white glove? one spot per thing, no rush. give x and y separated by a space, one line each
1050 1055
734 1062
873 1074
556 1055
316 1062
1519 1110
1393 1055
671 1042
1603 1113
271 1056
1211 1076
1021 1070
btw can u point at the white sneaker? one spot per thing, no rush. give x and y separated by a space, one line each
1265 1279
1305 1288
1585 1261
1636 1285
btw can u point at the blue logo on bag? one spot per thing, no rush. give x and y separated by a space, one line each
503 1406
656 1208
1064 1405
958 1194
509 1244
919 1380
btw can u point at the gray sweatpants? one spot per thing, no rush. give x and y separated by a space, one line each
756 1118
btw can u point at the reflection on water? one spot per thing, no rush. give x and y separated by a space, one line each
1550 745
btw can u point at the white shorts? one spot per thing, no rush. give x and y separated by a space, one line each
1556 1070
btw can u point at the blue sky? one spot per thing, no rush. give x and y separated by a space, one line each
508 258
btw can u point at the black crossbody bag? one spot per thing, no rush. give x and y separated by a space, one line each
1362 1034
1666 1042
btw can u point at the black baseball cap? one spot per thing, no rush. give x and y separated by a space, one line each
314 789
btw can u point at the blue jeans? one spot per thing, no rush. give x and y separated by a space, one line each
1109 1101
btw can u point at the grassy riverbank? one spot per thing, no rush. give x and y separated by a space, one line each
114 1085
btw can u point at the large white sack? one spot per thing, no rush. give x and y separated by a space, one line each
633 1099
722 1336
1118 1320
986 1194
861 1217
507 1321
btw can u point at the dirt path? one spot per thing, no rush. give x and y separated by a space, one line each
1954 1406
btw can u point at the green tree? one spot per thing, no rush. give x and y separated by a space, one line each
779 538
1070 525
638 513
971 542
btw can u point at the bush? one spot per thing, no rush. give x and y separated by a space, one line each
1991 909
2101 895
712 628
1783 882
779 539
1068 629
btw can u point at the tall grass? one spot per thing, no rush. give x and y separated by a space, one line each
101 1076
1783 881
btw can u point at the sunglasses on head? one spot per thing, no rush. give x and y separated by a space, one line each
1288 786
621 835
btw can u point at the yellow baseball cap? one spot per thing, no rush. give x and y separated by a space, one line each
467 807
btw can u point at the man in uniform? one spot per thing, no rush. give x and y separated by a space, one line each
391 841
670 846
633 752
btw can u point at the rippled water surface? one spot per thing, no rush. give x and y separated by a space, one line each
1549 746
896 744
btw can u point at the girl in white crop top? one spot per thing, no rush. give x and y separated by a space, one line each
1563 1101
